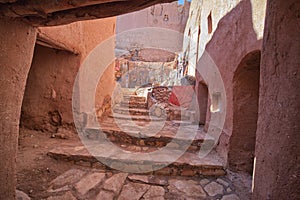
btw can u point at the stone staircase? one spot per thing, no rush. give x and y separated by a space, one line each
132 128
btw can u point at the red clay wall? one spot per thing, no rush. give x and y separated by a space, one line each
47 102
277 167
17 44
48 98
233 37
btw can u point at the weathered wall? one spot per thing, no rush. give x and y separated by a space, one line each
141 73
277 167
47 102
48 98
236 30
245 113
168 16
17 44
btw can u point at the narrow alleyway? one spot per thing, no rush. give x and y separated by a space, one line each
189 177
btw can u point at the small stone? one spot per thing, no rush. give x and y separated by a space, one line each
133 191
188 172
115 182
231 197
103 195
229 190
221 181
64 188
158 180
213 189
67 195
21 195
188 188
137 148
204 181
139 178
213 172
164 171
145 148
35 146
88 182
155 192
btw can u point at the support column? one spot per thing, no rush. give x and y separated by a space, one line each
277 168
17 41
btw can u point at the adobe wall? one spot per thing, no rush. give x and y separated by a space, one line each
236 30
48 98
277 144
47 102
17 41
168 16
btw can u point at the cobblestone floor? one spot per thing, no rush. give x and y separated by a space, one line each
101 185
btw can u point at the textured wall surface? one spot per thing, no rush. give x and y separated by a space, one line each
48 97
236 30
277 144
17 44
165 16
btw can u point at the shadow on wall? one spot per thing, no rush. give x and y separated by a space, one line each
233 39
245 113
47 102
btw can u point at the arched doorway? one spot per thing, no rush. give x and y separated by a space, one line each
245 113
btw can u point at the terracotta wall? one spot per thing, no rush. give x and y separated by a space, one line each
48 97
277 144
47 102
169 16
236 30
17 44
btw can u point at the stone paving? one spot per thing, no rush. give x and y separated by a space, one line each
187 177
102 185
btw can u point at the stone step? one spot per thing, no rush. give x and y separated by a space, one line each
131 111
131 104
128 91
189 164
135 117
153 136
134 98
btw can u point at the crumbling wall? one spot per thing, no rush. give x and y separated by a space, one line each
17 44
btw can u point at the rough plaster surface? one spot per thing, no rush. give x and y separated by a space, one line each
47 101
277 144
245 113
233 36
169 16
48 97
16 49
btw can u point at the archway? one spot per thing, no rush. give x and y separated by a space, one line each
245 113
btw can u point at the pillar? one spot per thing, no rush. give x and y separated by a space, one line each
17 41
